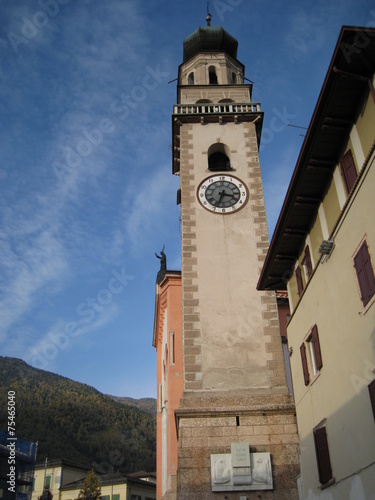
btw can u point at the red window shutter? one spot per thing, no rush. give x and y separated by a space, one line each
304 364
365 273
371 389
316 347
348 170
308 262
299 281
322 455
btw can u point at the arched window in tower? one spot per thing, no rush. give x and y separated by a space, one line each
218 158
234 77
191 79
212 77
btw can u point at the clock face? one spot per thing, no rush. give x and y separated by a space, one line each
222 194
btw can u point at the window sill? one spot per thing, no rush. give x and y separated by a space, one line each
368 305
327 484
316 376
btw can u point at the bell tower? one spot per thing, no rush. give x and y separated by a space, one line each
235 409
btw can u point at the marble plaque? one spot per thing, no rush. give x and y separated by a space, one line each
226 477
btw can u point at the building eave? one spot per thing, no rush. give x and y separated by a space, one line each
348 76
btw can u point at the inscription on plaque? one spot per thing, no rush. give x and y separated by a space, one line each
241 463
240 455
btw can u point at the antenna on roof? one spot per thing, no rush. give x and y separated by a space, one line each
209 17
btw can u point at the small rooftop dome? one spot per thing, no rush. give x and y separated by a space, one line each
207 39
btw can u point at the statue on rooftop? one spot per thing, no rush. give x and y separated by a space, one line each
163 259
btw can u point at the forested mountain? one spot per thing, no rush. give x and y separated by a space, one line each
76 422
145 404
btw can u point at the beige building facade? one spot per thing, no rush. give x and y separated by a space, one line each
323 253
236 423
55 474
64 481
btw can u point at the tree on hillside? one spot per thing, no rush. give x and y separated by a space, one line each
91 489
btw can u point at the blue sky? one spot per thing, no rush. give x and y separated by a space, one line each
87 194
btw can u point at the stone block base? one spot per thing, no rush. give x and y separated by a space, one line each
210 424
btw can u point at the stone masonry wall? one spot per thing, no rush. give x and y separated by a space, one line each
203 432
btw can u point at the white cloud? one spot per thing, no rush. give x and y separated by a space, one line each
36 265
48 223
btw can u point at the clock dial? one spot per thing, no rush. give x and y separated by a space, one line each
222 194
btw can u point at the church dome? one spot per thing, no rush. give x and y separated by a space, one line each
207 39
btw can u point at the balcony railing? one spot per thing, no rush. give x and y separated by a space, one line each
219 108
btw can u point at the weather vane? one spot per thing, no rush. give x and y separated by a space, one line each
209 17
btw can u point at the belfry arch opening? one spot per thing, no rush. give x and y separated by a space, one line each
219 158
212 76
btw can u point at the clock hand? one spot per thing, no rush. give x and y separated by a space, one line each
222 194
227 194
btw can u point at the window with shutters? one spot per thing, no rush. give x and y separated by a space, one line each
371 389
307 265
348 170
299 280
311 356
365 273
322 456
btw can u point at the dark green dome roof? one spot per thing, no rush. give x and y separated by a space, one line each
209 38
